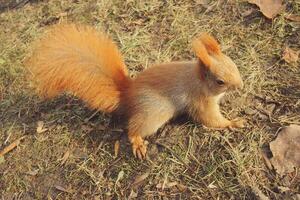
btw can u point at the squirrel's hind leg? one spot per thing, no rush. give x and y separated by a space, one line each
145 123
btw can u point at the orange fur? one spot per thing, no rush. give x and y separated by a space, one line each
80 60
201 52
206 110
88 64
205 45
210 43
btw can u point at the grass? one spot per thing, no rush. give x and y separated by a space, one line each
205 163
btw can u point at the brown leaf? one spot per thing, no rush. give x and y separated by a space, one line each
65 157
40 127
132 195
290 55
285 149
140 179
295 18
181 187
10 147
117 148
166 185
60 188
269 8
32 172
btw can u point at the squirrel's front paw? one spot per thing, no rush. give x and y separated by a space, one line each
139 147
237 123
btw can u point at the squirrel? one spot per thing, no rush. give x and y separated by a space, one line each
79 59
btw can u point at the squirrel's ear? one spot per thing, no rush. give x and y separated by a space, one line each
201 52
210 43
205 45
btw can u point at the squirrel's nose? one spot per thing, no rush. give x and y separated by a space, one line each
240 85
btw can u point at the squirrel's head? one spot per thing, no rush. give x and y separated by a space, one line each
215 68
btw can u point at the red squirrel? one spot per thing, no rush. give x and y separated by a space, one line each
87 63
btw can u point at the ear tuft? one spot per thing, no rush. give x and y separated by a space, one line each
210 43
201 52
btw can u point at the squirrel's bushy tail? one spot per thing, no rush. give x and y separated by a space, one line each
80 60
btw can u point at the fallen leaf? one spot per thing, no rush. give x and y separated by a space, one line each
295 18
40 127
181 187
132 195
117 148
140 179
10 147
166 185
269 8
290 55
32 172
60 188
65 157
286 150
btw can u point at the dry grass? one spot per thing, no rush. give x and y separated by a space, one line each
206 164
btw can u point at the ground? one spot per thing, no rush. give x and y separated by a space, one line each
74 157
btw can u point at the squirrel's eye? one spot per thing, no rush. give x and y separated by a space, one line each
220 82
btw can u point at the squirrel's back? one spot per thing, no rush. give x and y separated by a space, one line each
175 82
82 61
